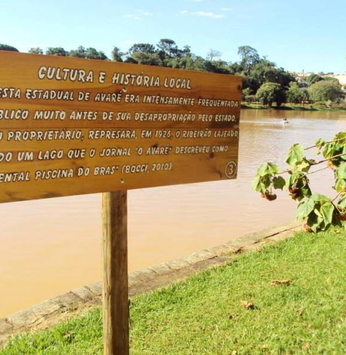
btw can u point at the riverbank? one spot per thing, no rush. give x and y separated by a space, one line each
65 306
297 107
287 297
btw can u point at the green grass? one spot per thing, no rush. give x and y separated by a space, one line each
205 314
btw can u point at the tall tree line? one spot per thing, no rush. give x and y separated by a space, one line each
263 80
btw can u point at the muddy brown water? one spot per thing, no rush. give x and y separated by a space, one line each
48 247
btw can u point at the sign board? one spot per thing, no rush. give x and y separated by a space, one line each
73 126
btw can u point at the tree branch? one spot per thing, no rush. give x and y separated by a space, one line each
334 140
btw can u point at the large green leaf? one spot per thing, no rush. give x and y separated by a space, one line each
340 172
295 154
257 184
340 136
268 169
342 202
320 143
279 182
296 178
313 222
320 198
303 165
327 210
306 191
305 208
340 185
330 150
343 157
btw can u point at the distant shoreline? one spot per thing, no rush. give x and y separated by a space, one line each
296 107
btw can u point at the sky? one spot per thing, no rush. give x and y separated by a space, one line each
298 35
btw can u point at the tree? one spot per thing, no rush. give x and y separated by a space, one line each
117 55
325 91
284 78
260 73
168 47
246 95
36 50
187 52
169 53
295 94
58 51
6 47
145 58
313 78
189 62
266 71
331 78
249 57
141 47
143 53
92 53
80 52
198 64
217 66
185 61
87 53
213 54
269 93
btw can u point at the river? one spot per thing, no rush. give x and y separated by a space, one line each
48 247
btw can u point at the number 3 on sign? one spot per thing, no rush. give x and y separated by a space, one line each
231 169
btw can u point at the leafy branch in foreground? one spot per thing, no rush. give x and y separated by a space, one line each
319 211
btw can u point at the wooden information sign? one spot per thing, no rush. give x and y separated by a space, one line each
72 126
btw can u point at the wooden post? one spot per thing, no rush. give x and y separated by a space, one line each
115 273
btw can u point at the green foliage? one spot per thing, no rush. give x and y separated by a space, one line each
80 52
249 57
6 47
295 94
265 71
320 212
269 93
255 70
325 90
212 54
146 58
331 78
142 47
117 55
87 53
217 66
168 48
58 51
313 78
36 50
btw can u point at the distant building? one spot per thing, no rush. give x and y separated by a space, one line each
340 77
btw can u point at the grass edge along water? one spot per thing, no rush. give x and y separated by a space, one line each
287 298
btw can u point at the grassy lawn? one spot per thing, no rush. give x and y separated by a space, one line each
289 298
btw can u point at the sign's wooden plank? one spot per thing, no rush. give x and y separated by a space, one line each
73 126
